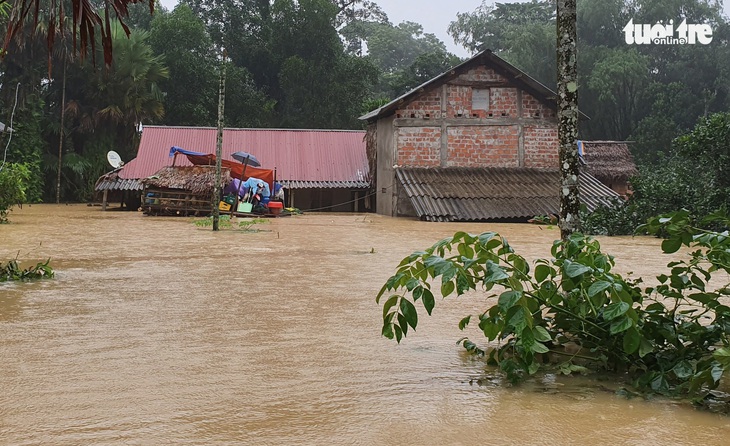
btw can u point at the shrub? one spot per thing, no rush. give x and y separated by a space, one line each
672 338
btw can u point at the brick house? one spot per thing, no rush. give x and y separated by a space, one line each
478 142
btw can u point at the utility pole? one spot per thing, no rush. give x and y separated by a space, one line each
219 142
568 118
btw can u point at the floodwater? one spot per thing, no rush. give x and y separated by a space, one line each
158 332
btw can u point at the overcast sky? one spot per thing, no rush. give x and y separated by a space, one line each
433 15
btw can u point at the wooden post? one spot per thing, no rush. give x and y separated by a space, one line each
219 142
357 198
568 118
103 203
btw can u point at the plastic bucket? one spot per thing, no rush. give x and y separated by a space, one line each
245 207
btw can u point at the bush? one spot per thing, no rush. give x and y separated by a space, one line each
13 183
575 308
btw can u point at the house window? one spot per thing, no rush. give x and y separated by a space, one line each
480 99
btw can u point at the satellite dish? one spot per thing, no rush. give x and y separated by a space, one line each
114 159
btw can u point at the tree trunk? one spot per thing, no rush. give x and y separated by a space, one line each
568 118
219 142
60 134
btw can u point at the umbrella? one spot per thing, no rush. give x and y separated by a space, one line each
246 158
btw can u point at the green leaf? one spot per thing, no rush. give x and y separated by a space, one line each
392 300
509 299
490 328
464 322
398 333
683 369
403 324
380 293
539 347
447 288
388 330
621 325
495 273
412 283
717 373
542 272
645 347
439 265
615 310
518 319
417 292
598 287
409 313
632 340
671 245
573 269
428 301
541 334
722 356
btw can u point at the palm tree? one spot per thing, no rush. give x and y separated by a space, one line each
84 23
116 100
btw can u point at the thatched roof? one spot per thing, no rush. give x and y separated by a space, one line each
609 160
197 179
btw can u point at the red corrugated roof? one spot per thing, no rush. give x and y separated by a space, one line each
297 155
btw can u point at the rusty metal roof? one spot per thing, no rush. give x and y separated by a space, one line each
119 184
328 158
477 194
111 181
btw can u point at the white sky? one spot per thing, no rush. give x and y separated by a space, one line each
433 15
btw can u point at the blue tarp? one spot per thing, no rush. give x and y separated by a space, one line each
176 149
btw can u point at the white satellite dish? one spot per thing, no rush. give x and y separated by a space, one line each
114 159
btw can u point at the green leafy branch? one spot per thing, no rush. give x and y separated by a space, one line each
670 338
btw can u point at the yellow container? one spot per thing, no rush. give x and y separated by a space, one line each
223 206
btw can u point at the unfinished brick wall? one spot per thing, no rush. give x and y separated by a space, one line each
532 108
541 147
471 143
481 73
419 146
425 106
479 146
458 102
503 102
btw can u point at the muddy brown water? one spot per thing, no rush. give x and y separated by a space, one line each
159 332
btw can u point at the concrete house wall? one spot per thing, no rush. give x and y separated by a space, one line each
475 119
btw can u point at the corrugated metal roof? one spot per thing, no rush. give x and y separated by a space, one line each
474 194
119 184
294 184
335 157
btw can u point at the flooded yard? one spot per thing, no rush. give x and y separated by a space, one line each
156 331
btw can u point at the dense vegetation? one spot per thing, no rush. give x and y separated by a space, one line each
572 313
322 63
694 175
